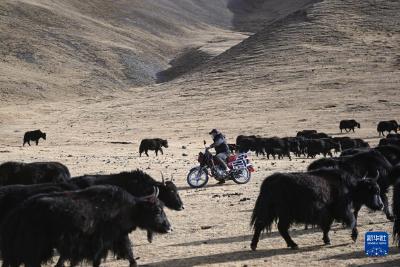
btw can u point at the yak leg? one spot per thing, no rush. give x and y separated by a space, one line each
258 227
37 142
145 152
97 258
149 236
354 231
326 224
162 152
386 209
283 228
124 250
60 262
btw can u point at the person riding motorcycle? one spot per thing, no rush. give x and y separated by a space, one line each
221 147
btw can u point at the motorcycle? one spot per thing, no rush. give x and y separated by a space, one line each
239 169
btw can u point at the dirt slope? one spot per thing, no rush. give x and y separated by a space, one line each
52 48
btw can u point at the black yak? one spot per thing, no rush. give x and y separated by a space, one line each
389 141
318 198
33 136
155 144
33 173
387 126
395 176
348 125
391 153
275 146
136 183
305 133
371 163
13 195
246 143
396 135
322 146
318 136
81 225
347 142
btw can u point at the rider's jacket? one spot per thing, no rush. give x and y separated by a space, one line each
220 144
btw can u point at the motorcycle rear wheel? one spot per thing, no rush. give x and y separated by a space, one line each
197 177
243 176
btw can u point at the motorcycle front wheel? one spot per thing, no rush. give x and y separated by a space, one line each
197 177
242 176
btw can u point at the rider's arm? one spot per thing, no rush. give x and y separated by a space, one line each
217 142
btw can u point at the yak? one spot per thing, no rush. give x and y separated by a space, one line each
13 195
396 135
305 133
371 163
318 136
155 144
246 143
348 125
347 142
33 173
391 153
33 136
317 197
81 225
389 141
322 146
138 184
387 126
294 144
276 146
395 175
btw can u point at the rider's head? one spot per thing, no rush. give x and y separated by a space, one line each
214 132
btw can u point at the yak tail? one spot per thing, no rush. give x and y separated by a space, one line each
263 211
396 213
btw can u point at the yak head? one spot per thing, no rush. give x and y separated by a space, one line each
150 214
169 194
164 143
367 192
358 125
43 135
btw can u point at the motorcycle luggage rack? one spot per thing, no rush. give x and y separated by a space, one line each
241 162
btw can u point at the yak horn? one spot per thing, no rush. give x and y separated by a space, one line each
172 177
156 192
377 176
152 197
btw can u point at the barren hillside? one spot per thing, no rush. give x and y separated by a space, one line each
94 47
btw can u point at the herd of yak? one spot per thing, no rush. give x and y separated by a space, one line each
44 210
